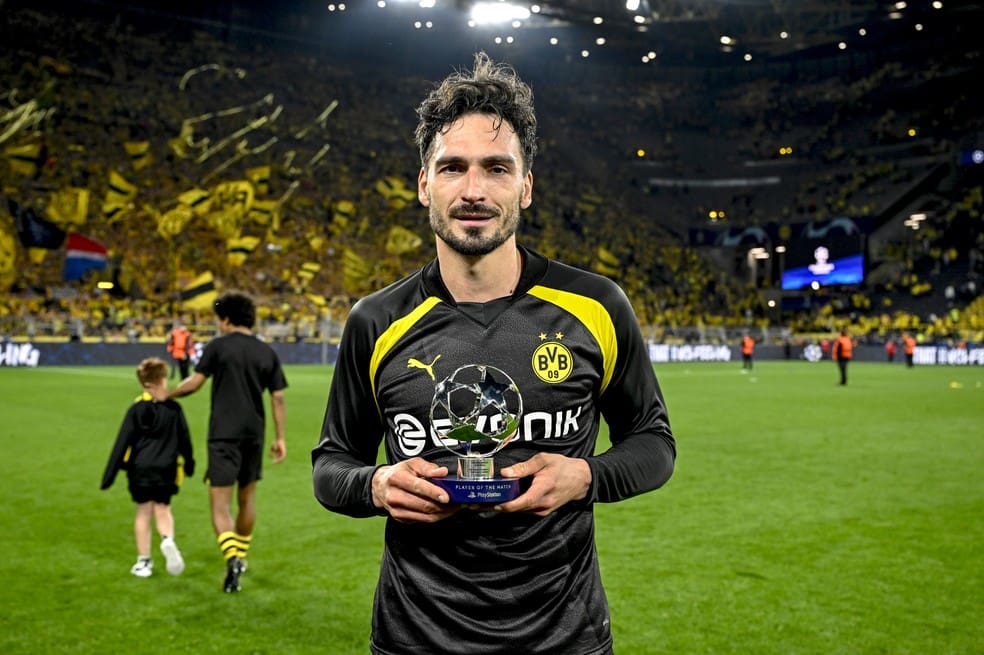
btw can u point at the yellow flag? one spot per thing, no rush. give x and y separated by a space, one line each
239 248
225 222
588 203
400 241
316 242
139 154
24 159
68 206
114 211
606 263
308 270
198 200
8 250
355 271
200 293
608 257
120 190
260 177
395 190
174 220
343 214
237 196
265 212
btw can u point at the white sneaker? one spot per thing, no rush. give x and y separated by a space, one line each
144 568
175 564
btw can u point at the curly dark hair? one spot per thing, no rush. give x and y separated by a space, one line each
489 88
238 308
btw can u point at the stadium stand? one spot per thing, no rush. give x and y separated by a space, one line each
115 127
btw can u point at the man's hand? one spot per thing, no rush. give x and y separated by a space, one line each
557 480
404 491
278 450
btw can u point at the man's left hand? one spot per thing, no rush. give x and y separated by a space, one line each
557 480
278 450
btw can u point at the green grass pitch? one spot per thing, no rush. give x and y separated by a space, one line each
803 518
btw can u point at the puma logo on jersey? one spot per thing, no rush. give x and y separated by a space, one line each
413 362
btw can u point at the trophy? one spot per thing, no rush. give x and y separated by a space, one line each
475 412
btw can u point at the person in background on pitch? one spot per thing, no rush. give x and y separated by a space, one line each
242 368
747 350
842 352
521 576
908 348
179 344
154 447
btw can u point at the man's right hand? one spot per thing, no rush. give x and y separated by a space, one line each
404 490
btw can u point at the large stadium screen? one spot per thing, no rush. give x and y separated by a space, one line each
828 261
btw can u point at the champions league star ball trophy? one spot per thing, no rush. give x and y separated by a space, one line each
477 409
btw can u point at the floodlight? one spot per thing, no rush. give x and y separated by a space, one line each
491 13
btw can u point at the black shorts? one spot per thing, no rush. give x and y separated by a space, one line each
158 494
230 462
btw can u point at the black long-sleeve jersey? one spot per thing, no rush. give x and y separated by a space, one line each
151 437
483 582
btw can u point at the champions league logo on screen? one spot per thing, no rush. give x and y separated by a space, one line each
835 262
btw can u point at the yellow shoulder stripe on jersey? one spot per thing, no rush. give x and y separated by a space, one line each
393 334
143 396
594 317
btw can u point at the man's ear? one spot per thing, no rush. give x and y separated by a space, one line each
527 198
422 188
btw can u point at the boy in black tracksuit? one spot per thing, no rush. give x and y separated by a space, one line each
153 435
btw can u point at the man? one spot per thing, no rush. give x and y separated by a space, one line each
747 349
842 353
908 348
242 367
179 343
523 575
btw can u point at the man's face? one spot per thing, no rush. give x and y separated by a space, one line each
474 185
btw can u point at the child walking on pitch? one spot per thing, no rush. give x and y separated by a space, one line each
153 435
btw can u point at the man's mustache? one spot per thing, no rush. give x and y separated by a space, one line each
470 210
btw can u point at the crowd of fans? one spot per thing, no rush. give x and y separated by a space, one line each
327 143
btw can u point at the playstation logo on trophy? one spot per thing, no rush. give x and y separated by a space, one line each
476 411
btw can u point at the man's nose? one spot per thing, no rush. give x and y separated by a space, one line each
474 190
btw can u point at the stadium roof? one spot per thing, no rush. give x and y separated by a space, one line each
670 32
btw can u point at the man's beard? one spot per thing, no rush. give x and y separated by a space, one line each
473 243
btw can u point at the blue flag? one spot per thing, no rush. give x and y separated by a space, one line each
34 231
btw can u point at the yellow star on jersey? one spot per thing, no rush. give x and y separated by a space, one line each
559 336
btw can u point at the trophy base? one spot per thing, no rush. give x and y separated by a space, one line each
473 492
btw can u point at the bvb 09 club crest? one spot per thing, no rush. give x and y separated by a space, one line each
552 361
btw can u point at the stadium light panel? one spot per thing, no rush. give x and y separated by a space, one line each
632 5
494 13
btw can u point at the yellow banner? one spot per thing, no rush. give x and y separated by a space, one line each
68 206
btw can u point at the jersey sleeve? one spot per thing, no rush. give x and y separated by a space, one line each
124 439
643 451
345 459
